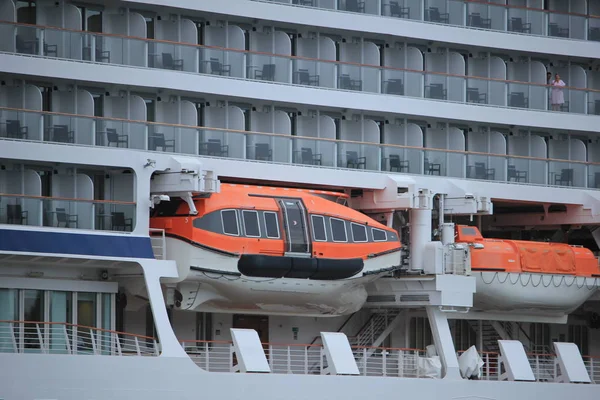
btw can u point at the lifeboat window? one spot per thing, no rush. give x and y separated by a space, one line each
338 230
469 231
251 223
379 235
272 225
318 226
230 222
359 232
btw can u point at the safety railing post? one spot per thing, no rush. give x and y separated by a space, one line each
364 361
93 341
321 360
306 360
400 363
207 356
67 342
40 338
13 338
118 339
137 345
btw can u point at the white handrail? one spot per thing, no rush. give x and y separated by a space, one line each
54 338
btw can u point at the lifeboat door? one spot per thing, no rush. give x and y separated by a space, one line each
297 242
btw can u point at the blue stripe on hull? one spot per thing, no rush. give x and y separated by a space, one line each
75 243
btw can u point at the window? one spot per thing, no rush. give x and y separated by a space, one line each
272 225
33 307
419 333
318 226
251 223
230 222
578 334
359 232
379 235
338 230
469 231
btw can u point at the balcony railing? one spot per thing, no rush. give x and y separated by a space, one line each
472 14
371 361
60 212
65 338
287 149
293 70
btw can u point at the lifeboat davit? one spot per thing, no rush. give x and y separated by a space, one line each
524 276
276 250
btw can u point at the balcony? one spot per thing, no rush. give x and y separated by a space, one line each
525 158
32 337
501 87
57 212
569 19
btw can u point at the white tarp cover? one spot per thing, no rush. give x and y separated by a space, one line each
430 367
470 363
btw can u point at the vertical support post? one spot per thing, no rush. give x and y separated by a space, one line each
137 345
119 350
67 339
93 341
40 338
420 229
443 342
153 270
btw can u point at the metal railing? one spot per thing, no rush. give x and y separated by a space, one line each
472 14
218 356
293 149
292 70
65 338
62 212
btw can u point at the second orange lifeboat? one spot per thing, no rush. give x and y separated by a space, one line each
517 275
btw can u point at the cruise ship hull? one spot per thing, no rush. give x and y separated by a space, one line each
157 378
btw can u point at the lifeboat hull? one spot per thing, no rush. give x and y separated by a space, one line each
528 292
227 285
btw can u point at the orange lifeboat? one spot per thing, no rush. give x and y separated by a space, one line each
517 274
274 244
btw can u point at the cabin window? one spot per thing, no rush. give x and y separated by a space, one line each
359 232
272 225
379 235
338 230
230 222
318 225
251 223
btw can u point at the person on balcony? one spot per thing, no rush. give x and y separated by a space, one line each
558 97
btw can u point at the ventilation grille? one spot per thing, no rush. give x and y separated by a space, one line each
381 299
406 298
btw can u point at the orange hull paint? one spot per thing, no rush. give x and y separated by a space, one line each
246 197
525 256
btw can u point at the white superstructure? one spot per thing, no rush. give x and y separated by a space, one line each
425 113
